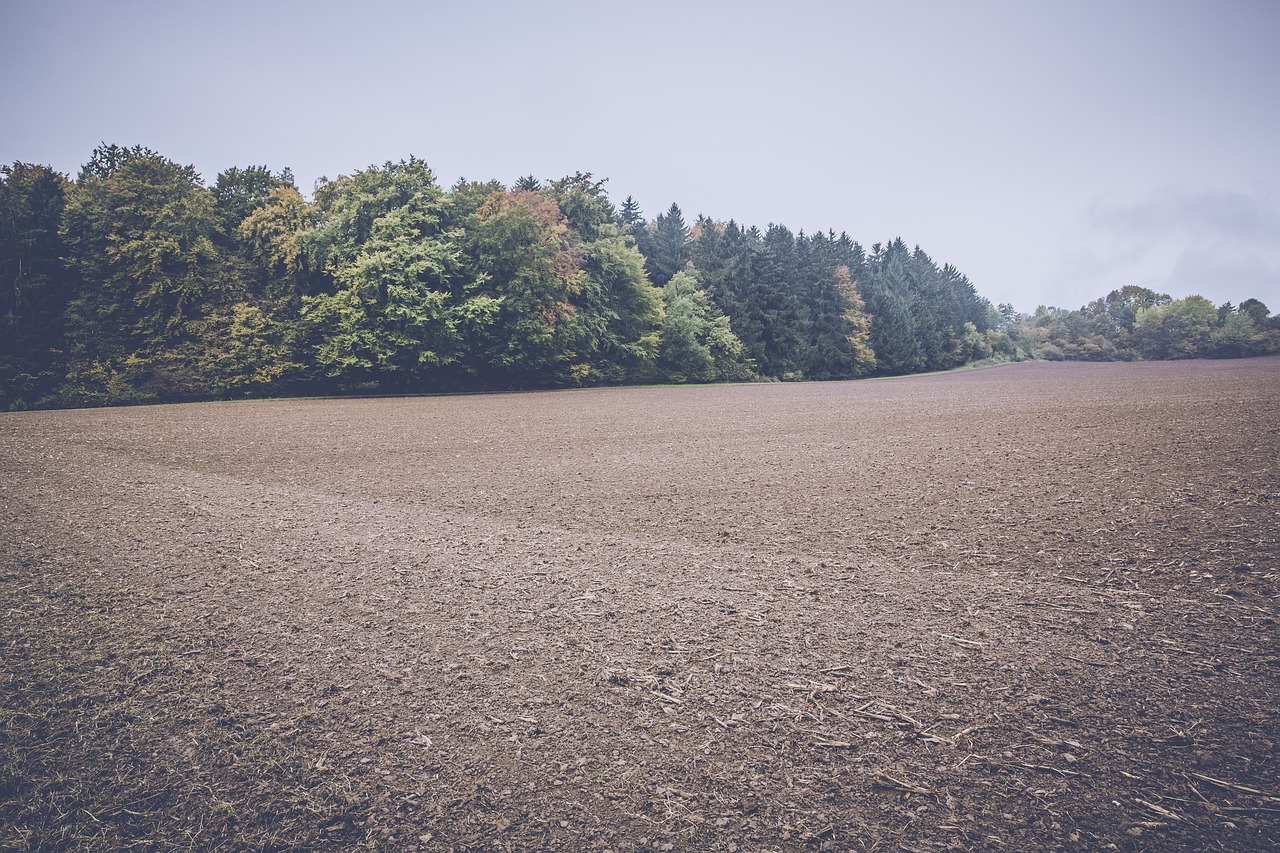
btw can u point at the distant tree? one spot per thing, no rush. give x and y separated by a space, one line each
106 160
722 253
630 215
272 236
665 250
398 313
1238 336
888 299
773 299
238 192
584 203
1181 329
1256 310
620 310
697 343
836 331
390 321
521 249
467 197
861 358
139 232
34 285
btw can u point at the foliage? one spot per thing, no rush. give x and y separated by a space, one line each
239 192
137 283
35 286
697 344
1137 323
138 231
390 317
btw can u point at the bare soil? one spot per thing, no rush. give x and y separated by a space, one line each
1032 607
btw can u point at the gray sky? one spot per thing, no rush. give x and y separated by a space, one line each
1052 150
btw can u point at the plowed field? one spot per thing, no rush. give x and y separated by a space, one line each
1031 607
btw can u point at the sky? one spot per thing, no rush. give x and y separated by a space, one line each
1051 150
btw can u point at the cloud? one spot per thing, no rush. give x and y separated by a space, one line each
1221 244
1228 277
1176 212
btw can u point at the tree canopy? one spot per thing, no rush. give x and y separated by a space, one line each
138 282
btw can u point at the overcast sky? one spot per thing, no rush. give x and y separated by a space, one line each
1052 151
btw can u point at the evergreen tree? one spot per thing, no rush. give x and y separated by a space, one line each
722 255
238 192
664 249
773 302
630 215
888 300
34 285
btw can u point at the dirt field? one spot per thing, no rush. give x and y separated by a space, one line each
1025 608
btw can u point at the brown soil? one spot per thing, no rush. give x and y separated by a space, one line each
1029 607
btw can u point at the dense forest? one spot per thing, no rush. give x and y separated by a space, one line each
137 282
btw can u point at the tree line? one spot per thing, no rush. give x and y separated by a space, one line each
1135 323
137 282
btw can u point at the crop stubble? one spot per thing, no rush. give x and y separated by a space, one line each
1029 607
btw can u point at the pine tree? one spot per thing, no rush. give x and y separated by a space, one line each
666 252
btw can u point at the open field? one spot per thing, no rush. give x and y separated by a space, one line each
1025 608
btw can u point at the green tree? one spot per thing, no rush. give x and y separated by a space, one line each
630 215
836 332
34 285
665 245
722 254
139 232
888 300
1238 336
1257 311
397 314
1181 329
272 236
239 192
697 343
584 203
627 310
525 259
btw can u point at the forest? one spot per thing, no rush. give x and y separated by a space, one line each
136 282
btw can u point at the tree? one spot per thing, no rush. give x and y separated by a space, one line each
1181 329
861 357
396 315
630 215
697 343
664 249
238 192
106 160
627 310
1256 310
138 230
888 295
584 203
34 285
523 257
1239 336
271 235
